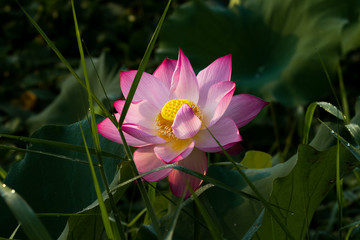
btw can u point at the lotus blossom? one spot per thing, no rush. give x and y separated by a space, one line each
171 115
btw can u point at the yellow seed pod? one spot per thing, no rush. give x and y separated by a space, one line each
170 108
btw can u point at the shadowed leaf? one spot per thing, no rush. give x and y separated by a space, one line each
53 185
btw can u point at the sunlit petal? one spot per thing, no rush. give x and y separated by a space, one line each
107 129
146 160
165 71
150 88
184 84
186 123
174 150
225 131
243 108
179 180
218 71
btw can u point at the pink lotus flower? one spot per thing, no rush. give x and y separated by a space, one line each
170 112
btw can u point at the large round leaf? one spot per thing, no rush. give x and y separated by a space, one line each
232 213
276 45
55 185
301 192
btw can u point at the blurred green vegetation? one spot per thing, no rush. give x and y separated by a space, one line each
32 77
31 73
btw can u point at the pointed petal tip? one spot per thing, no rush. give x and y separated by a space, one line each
119 105
250 107
108 130
184 83
150 88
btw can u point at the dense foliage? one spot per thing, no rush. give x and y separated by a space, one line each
301 56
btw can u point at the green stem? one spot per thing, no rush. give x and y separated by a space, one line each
111 198
345 105
141 186
339 191
94 129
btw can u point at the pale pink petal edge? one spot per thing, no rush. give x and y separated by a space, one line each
179 181
146 160
107 129
243 108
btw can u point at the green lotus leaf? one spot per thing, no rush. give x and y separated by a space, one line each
72 104
88 223
51 184
231 212
277 46
303 189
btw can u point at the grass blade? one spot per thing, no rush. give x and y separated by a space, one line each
131 93
354 130
14 232
255 227
308 119
332 110
214 231
310 114
95 136
64 61
254 189
98 77
31 224
142 65
104 213
136 218
350 147
151 194
329 79
339 189
43 153
2 173
170 234
62 145
345 104
212 181
342 117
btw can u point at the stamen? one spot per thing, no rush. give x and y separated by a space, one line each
167 115
170 108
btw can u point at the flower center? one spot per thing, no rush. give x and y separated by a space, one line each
167 115
170 108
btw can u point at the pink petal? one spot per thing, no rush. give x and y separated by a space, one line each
225 131
218 100
218 71
119 105
141 113
107 129
186 124
146 160
165 71
142 133
179 180
243 108
184 84
150 88
174 150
